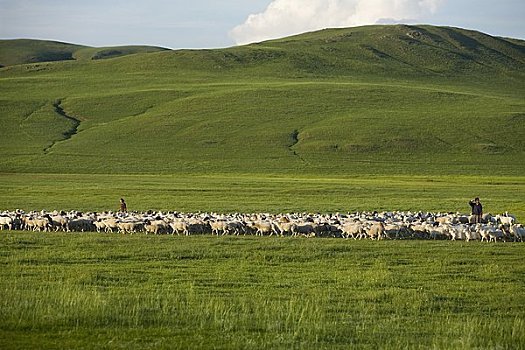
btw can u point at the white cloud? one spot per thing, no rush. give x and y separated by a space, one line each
287 17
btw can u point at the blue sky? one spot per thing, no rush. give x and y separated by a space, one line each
210 24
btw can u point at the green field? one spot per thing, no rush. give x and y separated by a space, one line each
341 120
96 291
261 193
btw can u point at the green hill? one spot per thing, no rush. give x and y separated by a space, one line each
98 53
22 51
367 100
408 50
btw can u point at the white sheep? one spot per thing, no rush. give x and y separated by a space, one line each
376 231
179 226
353 229
6 221
505 220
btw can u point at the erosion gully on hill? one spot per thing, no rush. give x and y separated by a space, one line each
68 133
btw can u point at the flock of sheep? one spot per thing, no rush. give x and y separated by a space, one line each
361 225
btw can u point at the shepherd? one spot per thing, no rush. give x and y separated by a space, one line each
477 210
123 206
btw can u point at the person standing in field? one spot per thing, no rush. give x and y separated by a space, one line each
477 210
123 206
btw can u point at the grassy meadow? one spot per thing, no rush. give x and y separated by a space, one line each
325 103
341 120
95 291
261 193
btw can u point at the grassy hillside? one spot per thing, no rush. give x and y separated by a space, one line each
408 50
377 100
22 51
99 53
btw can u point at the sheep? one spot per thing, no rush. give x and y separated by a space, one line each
59 222
110 225
80 225
99 225
179 226
444 220
283 228
458 232
304 229
463 219
327 229
489 233
149 227
43 223
236 227
376 231
28 223
495 234
472 234
483 232
487 218
218 227
505 220
226 227
395 225
394 230
6 221
439 232
155 226
519 232
354 230
129 227
196 225
419 230
261 227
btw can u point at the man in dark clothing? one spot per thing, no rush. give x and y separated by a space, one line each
123 206
477 210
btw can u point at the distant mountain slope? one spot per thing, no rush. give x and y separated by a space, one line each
367 100
21 51
97 53
395 49
383 52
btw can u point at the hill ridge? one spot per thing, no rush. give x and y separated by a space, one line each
364 100
381 43
24 51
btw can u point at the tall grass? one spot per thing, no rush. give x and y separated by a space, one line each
203 292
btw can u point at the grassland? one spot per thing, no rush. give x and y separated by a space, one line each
263 193
192 117
99 291
447 103
270 128
371 118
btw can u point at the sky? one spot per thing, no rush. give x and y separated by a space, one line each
180 24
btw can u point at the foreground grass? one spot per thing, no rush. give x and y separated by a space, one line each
111 291
260 193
